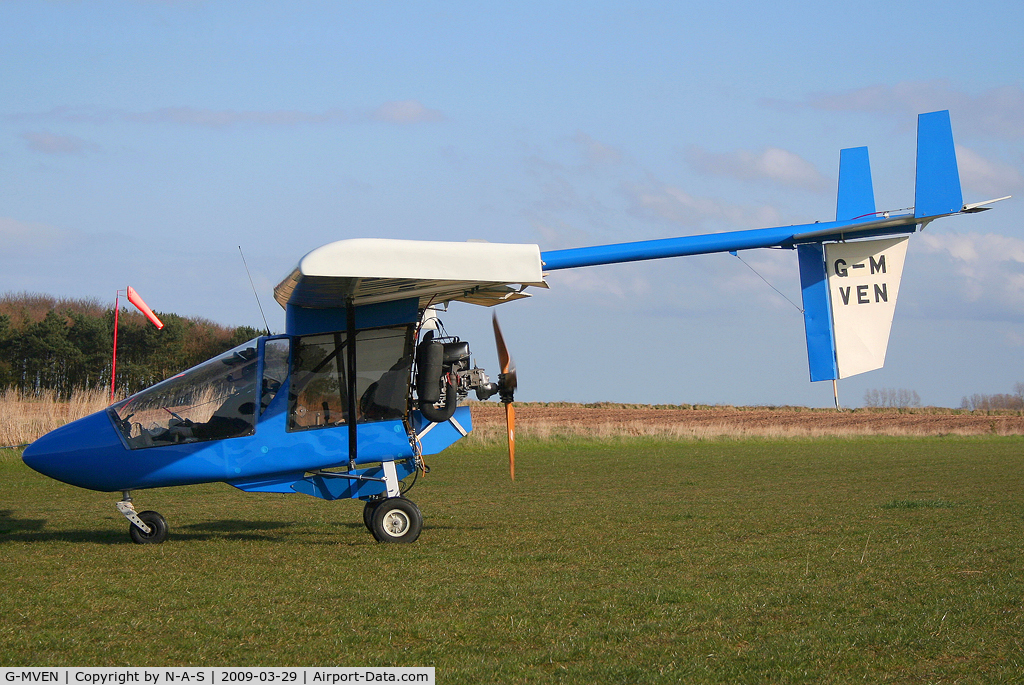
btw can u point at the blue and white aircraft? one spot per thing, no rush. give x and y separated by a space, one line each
365 382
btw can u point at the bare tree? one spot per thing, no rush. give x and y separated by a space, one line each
891 398
981 402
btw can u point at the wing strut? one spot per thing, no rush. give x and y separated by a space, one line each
350 321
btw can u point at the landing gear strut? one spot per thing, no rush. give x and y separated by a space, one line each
147 527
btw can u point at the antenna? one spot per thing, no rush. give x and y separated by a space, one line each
254 289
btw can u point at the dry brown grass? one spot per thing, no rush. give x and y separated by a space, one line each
24 417
547 421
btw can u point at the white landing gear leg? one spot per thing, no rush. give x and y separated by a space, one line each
395 519
391 481
147 527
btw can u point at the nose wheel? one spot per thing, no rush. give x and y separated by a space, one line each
157 529
147 527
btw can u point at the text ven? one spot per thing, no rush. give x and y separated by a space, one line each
863 294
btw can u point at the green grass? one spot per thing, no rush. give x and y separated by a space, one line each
633 561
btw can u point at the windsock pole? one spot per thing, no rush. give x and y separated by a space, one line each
113 362
134 298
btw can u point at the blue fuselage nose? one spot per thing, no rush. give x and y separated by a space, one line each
86 453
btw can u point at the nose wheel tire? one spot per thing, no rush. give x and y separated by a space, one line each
157 533
396 520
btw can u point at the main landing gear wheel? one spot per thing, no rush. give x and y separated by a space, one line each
157 526
396 520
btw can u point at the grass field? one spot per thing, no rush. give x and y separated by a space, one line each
617 561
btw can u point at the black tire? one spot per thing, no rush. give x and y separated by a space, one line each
157 533
397 520
368 509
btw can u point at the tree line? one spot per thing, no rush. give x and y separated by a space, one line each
891 398
1013 401
64 345
901 398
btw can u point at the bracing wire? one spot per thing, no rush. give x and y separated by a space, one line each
251 285
737 256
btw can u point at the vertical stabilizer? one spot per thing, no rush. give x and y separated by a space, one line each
856 197
821 346
849 295
938 179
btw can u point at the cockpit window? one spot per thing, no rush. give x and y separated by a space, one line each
275 370
319 378
214 400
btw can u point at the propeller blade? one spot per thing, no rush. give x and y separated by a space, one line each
507 382
499 341
510 421
508 365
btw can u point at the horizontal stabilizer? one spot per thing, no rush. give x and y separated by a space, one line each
983 206
938 179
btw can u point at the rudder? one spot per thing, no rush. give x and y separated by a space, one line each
856 196
938 178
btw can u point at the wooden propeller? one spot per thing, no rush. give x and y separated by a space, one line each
506 390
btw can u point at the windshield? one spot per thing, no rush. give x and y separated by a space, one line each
214 400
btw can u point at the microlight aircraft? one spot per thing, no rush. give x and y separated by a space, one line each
365 382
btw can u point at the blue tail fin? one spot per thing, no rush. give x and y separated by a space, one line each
938 179
821 343
856 194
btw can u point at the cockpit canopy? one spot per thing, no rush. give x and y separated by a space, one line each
214 400
225 396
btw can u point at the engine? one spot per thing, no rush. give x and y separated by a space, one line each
444 377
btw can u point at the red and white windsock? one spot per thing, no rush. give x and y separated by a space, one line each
134 298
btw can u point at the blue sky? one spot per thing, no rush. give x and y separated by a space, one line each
142 142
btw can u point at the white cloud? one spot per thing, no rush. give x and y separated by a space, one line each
595 152
53 144
770 164
978 275
997 112
77 115
622 284
560 235
908 96
984 176
669 203
981 249
396 112
406 112
210 118
30 236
